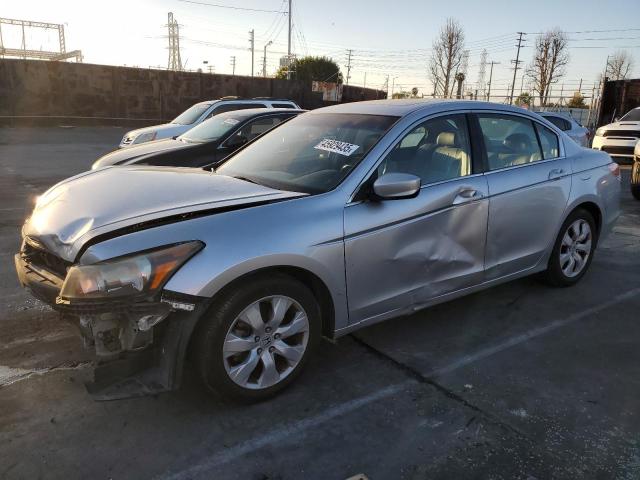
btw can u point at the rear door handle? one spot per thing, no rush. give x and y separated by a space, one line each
467 195
556 173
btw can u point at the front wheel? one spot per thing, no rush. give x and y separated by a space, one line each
257 338
573 250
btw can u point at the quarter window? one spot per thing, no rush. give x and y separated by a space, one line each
561 123
509 140
548 141
436 150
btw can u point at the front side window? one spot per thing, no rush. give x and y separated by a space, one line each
436 150
311 153
257 127
509 140
548 141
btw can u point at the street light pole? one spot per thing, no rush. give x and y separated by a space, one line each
264 60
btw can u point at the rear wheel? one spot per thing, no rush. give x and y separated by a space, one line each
257 338
573 250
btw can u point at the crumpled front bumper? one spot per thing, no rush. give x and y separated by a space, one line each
139 345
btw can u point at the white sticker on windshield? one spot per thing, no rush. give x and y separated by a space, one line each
231 121
336 146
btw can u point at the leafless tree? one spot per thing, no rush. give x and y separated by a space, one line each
446 57
549 62
619 65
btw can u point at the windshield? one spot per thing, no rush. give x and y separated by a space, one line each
312 153
191 114
632 116
213 128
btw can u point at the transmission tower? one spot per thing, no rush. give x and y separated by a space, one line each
175 63
482 86
464 66
24 52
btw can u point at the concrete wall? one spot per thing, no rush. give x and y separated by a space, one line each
77 93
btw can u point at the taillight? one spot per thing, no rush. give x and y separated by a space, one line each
614 168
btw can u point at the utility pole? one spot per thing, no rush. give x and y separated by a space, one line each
264 60
387 86
516 62
580 88
490 78
349 65
365 80
393 84
233 65
289 46
253 44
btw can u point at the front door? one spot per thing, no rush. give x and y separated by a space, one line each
402 253
529 186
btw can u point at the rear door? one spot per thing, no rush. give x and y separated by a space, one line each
529 183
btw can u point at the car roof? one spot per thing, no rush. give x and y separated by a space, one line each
403 107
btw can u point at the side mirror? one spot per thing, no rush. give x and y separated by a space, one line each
236 141
394 186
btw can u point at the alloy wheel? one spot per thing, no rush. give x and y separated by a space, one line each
266 342
575 248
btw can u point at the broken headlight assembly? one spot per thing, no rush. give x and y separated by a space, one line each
139 275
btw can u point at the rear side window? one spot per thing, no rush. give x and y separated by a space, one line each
283 105
509 140
548 141
561 123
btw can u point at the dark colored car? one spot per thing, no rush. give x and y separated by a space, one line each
207 143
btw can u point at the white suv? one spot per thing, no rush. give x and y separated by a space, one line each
620 137
198 113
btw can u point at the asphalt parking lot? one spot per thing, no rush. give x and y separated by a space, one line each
519 381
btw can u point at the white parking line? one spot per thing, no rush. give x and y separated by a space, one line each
536 332
280 434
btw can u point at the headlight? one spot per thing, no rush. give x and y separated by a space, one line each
600 132
145 137
129 276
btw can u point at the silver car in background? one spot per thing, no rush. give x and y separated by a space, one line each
196 114
342 217
579 134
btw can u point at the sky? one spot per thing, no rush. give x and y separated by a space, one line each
386 38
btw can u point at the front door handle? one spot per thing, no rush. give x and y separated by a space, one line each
467 195
556 173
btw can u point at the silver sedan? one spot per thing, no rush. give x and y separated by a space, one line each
343 217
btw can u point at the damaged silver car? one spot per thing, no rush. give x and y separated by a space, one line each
341 218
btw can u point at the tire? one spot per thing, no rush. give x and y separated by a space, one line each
569 246
239 344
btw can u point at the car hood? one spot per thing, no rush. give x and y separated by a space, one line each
164 130
124 155
95 203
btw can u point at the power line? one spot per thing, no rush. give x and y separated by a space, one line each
230 7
